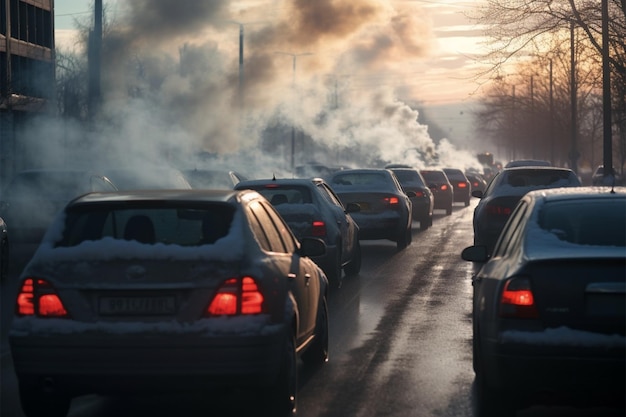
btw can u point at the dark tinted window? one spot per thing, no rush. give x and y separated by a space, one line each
541 178
408 177
367 178
180 225
434 176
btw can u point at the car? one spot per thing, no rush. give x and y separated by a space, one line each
442 189
477 181
203 178
424 202
4 251
146 177
504 192
385 208
34 196
166 291
598 178
311 208
548 305
462 187
527 163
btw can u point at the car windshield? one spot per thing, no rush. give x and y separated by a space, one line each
538 178
598 222
284 194
369 178
409 178
179 225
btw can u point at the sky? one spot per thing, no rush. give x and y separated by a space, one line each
378 60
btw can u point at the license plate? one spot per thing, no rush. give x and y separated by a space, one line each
606 305
145 306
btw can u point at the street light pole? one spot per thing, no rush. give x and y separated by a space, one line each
293 86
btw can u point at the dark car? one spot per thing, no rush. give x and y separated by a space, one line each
442 189
504 192
385 208
312 209
4 251
477 181
548 307
424 201
32 199
166 291
202 178
462 187
527 163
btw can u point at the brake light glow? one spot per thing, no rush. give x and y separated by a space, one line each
38 297
462 185
392 201
319 228
237 296
419 194
517 300
498 210
443 187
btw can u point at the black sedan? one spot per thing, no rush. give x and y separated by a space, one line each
441 187
385 208
505 190
548 307
312 209
167 291
424 201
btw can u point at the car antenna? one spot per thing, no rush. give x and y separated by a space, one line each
273 176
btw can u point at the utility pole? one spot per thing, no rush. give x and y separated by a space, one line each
95 60
573 154
609 175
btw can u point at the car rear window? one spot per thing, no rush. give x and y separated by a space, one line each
433 175
408 177
369 178
179 225
284 194
598 222
541 178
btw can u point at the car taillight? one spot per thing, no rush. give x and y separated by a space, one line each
319 228
38 297
236 296
498 210
419 194
392 201
443 187
475 184
517 300
462 185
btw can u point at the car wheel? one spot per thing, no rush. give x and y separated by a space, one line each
36 403
449 210
492 402
281 397
334 276
425 223
467 202
403 239
317 353
354 266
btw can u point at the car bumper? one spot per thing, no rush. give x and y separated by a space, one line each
421 209
147 363
529 370
385 226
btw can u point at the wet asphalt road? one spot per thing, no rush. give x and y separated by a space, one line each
400 343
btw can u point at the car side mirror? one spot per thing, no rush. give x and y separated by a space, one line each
476 253
310 246
477 193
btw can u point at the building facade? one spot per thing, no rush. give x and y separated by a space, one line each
27 74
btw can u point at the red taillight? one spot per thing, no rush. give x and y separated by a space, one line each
237 296
319 228
392 201
498 210
419 194
517 300
475 184
38 297
462 185
443 187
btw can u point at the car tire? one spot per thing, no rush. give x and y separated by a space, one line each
36 403
467 202
491 402
317 354
281 397
449 210
334 276
404 239
354 266
425 222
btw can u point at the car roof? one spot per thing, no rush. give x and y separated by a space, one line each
527 162
183 195
281 181
535 168
576 193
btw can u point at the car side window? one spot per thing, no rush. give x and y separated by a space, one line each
329 195
512 231
269 230
288 244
